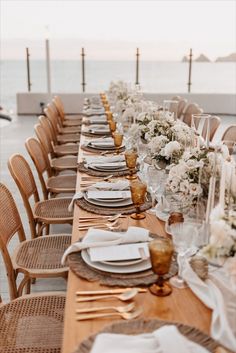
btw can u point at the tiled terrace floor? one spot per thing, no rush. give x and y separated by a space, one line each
12 137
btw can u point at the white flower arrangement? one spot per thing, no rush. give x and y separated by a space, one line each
222 242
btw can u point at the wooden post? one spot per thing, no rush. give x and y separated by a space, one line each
137 67
28 69
83 70
48 66
190 71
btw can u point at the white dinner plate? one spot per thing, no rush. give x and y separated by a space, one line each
112 168
123 262
110 203
137 267
98 147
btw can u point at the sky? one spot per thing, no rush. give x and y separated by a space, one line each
110 29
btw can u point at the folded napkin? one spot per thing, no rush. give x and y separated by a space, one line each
108 194
104 159
99 237
105 185
166 339
116 165
217 294
103 143
77 196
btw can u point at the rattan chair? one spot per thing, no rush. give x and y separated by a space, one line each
229 134
182 104
176 98
69 148
39 257
68 120
32 324
191 109
43 213
214 124
63 129
65 138
61 163
54 184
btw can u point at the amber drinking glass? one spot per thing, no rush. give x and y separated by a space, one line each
138 195
118 138
112 126
109 116
161 252
131 160
106 107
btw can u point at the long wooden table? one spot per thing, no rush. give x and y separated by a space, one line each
181 306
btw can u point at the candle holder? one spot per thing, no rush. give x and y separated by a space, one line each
161 252
118 139
131 159
138 195
112 126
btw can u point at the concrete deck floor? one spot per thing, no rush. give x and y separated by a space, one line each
12 137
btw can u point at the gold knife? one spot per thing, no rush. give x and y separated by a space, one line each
109 291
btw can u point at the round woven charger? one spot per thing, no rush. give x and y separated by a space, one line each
96 150
136 327
84 169
87 206
144 278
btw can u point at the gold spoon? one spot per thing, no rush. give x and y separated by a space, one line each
120 309
125 316
129 294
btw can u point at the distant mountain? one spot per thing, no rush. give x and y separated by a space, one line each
202 58
230 57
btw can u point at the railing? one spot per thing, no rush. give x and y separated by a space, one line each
28 69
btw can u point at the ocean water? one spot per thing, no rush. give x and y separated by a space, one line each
154 77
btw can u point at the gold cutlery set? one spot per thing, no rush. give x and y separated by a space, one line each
105 222
126 312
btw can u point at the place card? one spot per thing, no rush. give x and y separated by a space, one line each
120 252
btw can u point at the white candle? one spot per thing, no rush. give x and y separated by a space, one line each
222 185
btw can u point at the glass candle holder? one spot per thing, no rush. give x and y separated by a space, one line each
118 139
138 195
161 252
112 126
131 160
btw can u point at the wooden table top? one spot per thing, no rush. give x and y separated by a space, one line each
181 306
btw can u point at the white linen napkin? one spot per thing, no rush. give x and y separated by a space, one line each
104 159
116 165
108 194
99 237
166 339
219 297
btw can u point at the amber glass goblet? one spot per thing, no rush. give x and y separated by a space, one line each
138 195
131 159
118 139
106 107
161 252
112 126
109 116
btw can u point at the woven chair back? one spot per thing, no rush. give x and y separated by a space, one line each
40 160
44 139
23 176
10 224
54 114
52 119
229 134
214 124
59 106
191 109
182 104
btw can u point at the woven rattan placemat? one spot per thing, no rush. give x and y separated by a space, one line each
87 206
98 151
84 169
139 326
144 278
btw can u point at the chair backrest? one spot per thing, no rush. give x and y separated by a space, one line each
229 134
41 162
23 176
52 110
59 106
214 124
48 128
191 109
182 104
52 119
10 224
176 98
44 139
